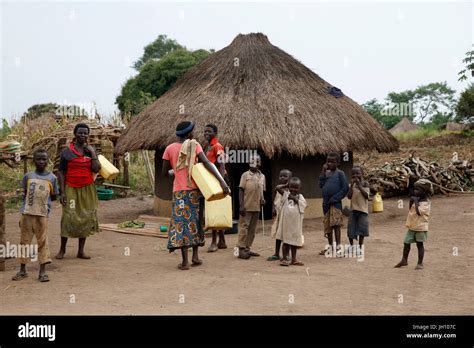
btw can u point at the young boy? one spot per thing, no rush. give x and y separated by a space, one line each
334 185
290 220
358 226
251 188
40 187
283 177
417 222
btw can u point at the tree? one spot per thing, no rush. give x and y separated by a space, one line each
381 113
465 106
433 102
431 99
157 50
155 78
469 61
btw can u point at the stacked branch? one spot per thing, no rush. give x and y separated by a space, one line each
397 177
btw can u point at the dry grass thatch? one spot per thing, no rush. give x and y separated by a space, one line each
249 90
405 125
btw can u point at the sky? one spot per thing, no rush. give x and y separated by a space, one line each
82 52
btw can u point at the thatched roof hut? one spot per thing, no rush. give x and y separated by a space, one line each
405 125
260 98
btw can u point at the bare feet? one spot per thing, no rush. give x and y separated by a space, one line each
419 266
60 255
83 256
212 248
401 264
183 267
197 262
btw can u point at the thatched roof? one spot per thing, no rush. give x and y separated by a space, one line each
249 90
405 125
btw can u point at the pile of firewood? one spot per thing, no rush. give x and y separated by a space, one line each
397 177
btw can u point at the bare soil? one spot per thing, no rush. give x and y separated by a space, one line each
148 281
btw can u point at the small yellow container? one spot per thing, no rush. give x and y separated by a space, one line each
208 184
108 171
377 203
218 214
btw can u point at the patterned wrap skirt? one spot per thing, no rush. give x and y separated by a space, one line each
183 231
79 218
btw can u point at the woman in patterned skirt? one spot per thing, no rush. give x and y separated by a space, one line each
178 160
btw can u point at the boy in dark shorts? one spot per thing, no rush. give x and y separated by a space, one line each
358 226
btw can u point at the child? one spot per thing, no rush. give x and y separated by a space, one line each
40 187
290 220
417 222
334 185
358 226
251 188
284 176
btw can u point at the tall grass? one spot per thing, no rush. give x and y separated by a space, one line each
422 133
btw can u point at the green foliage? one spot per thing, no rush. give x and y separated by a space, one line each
377 110
469 66
465 106
431 103
432 98
155 78
157 50
6 130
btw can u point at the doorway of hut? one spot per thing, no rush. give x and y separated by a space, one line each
235 171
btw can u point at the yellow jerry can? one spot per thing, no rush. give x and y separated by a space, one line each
108 171
218 213
377 203
208 184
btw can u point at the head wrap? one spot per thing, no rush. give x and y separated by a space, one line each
184 131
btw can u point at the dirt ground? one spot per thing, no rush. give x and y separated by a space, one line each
148 281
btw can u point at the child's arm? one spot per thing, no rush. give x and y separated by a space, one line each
360 186
281 188
54 194
323 177
349 194
342 192
294 198
417 206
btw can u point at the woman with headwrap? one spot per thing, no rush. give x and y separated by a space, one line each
178 160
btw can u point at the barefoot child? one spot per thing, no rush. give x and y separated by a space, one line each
334 185
290 220
358 226
417 222
284 176
40 187
251 188
216 155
